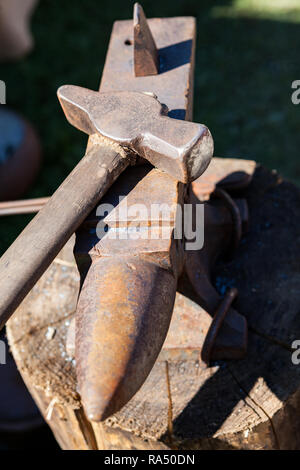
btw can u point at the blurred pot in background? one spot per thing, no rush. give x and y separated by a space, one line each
19 146
15 36
20 154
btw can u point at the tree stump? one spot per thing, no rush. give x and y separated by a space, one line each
252 403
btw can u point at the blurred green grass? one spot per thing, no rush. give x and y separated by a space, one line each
247 58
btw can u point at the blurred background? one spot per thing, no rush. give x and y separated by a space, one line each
246 59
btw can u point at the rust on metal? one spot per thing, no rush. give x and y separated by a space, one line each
186 335
189 327
122 266
104 162
173 86
224 220
117 347
146 61
236 219
162 260
128 290
228 173
145 186
216 324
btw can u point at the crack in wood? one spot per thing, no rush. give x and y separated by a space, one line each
86 429
276 439
34 330
170 405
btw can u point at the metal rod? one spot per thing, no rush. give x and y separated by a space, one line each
25 206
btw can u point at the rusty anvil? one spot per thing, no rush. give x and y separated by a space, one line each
129 277
125 124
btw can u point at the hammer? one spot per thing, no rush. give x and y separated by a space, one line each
135 121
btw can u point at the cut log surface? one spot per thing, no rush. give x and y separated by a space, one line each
252 403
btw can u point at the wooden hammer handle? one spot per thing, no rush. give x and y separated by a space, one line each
36 247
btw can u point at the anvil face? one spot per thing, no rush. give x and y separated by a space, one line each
173 86
120 333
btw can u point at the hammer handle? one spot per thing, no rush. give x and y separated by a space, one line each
36 247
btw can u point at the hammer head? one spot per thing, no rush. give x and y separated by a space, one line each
137 121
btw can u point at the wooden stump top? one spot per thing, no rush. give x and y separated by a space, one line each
247 404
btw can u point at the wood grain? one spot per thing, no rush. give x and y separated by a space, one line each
248 404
